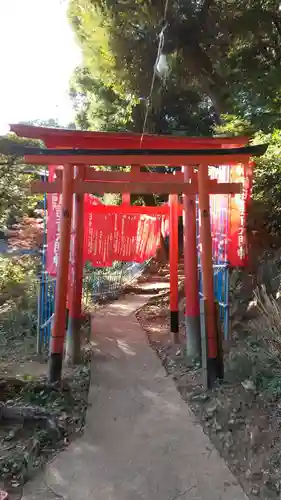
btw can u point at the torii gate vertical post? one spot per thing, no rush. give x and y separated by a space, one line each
73 345
173 257
58 328
192 309
214 362
126 199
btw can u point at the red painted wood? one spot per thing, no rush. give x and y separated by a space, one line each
78 223
86 139
133 209
138 188
58 330
93 175
207 263
124 160
173 252
126 199
135 169
190 250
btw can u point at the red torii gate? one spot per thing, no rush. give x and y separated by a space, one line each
138 182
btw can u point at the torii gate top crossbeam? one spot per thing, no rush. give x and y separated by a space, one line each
54 137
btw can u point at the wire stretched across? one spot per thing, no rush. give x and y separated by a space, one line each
159 52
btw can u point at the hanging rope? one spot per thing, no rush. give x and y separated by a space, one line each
159 52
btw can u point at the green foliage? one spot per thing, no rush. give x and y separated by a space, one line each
253 360
119 52
51 123
224 57
234 126
15 199
11 273
51 418
99 107
18 322
18 308
267 178
267 171
263 346
15 271
111 199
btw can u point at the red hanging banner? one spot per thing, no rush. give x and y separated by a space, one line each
229 215
123 237
53 225
92 231
219 206
238 250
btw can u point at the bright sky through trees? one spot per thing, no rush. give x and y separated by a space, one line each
37 56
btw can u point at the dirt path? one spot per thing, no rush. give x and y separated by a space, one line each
141 440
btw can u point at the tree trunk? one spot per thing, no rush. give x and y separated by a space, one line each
212 84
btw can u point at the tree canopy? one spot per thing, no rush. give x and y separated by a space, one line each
224 57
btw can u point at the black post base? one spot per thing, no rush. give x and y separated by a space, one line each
220 364
215 371
55 367
215 366
174 322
